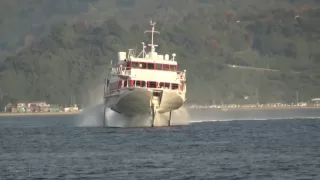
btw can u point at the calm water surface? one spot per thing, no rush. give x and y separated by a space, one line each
54 148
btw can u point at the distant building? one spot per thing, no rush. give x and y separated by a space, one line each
38 106
71 109
10 108
315 100
22 104
38 103
54 108
22 107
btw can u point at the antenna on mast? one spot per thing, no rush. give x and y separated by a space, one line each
152 36
143 52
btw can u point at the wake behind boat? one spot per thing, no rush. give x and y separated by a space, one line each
145 90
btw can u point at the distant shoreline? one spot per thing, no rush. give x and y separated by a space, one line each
39 114
7 114
259 108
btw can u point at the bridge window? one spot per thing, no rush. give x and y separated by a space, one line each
173 67
150 65
166 67
135 64
143 65
158 66
152 84
175 86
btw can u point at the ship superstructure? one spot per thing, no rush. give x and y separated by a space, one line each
146 88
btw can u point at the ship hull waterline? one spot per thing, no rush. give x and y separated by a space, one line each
133 109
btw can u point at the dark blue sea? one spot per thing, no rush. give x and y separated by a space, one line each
55 148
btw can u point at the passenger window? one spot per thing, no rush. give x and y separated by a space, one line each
159 66
150 66
125 84
167 85
175 86
143 84
138 84
166 67
152 84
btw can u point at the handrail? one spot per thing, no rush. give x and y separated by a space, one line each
123 71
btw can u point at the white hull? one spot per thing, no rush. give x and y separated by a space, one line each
132 108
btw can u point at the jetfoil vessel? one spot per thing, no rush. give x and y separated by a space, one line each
146 90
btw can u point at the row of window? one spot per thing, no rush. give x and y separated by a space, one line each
149 84
154 66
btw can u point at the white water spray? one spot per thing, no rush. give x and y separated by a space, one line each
95 115
92 115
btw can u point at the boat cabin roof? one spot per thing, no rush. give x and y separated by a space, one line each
147 57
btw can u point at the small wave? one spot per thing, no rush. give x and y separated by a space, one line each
255 119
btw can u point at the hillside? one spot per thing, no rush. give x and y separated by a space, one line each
71 57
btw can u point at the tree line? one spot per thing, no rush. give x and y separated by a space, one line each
71 58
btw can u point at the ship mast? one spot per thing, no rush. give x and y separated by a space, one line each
152 45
